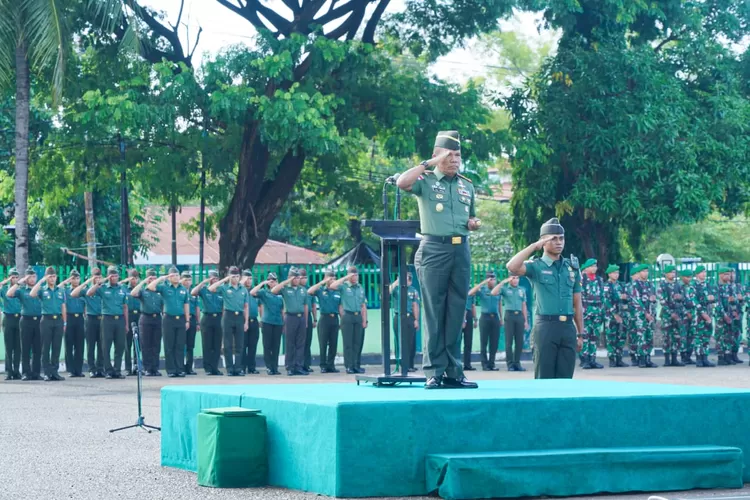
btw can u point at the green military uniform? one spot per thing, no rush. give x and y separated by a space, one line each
328 327
134 317
114 305
51 327
443 263
692 310
592 299
174 329
191 332
725 307
272 327
211 335
489 327
75 332
252 334
233 324
706 297
11 332
31 337
671 298
149 327
739 305
94 355
410 336
352 331
295 326
555 283
468 332
642 303
513 297
615 306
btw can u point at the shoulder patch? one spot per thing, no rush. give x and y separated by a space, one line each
465 178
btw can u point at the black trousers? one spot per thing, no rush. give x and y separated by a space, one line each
31 345
514 329
173 332
409 342
211 338
353 336
296 333
271 345
51 329
12 335
233 326
75 337
150 337
133 317
554 348
190 344
250 345
328 338
468 337
94 343
308 343
489 337
113 333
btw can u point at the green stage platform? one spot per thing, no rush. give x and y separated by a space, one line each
360 441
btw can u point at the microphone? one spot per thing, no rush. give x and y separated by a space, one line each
392 179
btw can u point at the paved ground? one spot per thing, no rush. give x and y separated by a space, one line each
54 439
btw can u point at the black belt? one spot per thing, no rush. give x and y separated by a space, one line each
508 311
235 313
13 315
563 318
489 314
153 315
352 313
253 320
96 316
408 314
113 316
52 316
27 316
453 240
332 315
75 315
136 311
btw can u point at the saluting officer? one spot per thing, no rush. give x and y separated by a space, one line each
175 321
443 260
52 325
235 319
558 323
272 322
195 316
75 334
11 327
412 322
312 322
211 335
114 320
354 318
295 321
151 305
31 315
252 333
93 324
134 316
470 322
489 321
516 320
328 327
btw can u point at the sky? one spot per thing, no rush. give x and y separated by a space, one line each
222 28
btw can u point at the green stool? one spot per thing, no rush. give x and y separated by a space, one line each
232 448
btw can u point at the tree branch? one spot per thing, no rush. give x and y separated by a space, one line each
179 16
160 30
369 34
671 38
197 39
293 5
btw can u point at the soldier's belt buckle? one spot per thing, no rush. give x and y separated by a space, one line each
356 314
75 315
177 317
236 313
252 320
99 317
333 315
16 315
117 317
299 315
563 318
153 315
516 312
135 312
35 317
456 240
214 315
54 316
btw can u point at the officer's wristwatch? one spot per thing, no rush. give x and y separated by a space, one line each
425 164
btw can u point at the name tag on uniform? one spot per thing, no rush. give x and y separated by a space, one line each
546 272
438 188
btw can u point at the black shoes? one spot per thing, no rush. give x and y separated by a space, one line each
449 383
520 368
349 371
469 369
190 372
433 383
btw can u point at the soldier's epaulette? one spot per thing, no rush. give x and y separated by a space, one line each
426 172
465 178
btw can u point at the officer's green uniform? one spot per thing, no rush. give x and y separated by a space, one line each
307 356
134 317
295 326
272 327
489 327
173 326
94 352
114 304
468 332
190 334
31 337
211 336
149 327
443 262
11 332
513 299
328 326
51 328
555 282
252 335
75 332
410 336
233 325
352 299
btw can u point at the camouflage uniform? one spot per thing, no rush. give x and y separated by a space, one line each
706 298
592 295
615 332
690 321
641 293
671 300
739 295
723 313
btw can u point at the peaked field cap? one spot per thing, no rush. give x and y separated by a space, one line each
552 226
50 271
612 268
448 139
151 272
112 271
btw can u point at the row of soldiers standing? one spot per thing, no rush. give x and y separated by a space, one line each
690 309
100 313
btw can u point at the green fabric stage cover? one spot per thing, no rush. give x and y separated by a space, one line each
232 448
346 440
575 472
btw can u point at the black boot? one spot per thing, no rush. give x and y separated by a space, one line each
583 359
649 364
586 363
687 359
675 361
736 359
722 360
612 362
633 359
619 363
699 361
706 362
593 363
641 361
667 359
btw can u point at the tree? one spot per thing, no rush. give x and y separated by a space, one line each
637 123
491 245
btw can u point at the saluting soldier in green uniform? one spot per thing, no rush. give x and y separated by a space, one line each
558 323
272 322
93 324
211 334
134 316
470 322
149 326
353 311
175 321
312 322
443 260
328 327
52 325
516 320
252 333
194 314
75 334
114 320
489 321
235 319
412 323
31 315
11 327
295 321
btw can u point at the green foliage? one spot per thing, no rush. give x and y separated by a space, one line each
491 245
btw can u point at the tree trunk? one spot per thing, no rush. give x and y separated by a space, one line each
88 203
173 211
256 202
23 110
